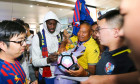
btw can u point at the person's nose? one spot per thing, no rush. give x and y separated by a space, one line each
81 34
52 26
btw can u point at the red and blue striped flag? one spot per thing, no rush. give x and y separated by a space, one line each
80 15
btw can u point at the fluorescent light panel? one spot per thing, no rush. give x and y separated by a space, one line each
54 2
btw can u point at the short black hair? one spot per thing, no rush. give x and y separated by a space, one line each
26 25
19 21
85 22
31 31
95 23
113 15
9 29
110 14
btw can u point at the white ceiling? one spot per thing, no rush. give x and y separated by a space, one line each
34 15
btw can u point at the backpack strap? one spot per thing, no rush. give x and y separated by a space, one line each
61 35
40 39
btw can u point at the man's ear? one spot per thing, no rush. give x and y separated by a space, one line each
90 32
3 46
116 32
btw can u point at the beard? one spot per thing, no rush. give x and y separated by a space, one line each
51 30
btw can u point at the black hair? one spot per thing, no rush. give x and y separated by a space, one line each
113 15
19 21
95 23
9 29
72 23
110 14
31 31
26 25
85 22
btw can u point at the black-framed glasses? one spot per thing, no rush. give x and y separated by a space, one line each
98 29
19 42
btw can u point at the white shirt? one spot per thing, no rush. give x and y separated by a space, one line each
37 58
52 44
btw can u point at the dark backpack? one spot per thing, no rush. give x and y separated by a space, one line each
40 39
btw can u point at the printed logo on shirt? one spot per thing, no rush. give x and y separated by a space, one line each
95 51
109 68
16 78
26 81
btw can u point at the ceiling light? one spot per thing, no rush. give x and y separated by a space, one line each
31 6
54 2
23 17
60 9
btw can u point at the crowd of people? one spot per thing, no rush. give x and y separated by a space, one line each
109 55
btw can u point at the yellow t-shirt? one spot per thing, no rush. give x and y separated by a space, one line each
91 54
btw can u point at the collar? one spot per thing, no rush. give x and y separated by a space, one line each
1 60
118 51
79 42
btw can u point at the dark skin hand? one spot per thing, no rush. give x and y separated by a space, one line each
80 72
52 58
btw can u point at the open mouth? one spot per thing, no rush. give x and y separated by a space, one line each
52 30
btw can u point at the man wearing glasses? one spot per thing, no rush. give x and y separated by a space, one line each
94 26
12 45
114 60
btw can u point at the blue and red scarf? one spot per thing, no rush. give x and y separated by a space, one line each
46 69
